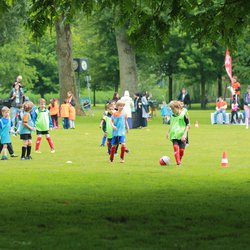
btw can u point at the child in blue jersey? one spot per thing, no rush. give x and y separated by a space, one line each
179 125
120 127
25 129
5 128
166 113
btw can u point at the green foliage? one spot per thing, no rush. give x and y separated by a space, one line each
14 60
44 59
95 40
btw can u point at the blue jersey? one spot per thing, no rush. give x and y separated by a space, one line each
26 119
119 121
5 127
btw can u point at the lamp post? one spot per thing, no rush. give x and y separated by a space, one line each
79 65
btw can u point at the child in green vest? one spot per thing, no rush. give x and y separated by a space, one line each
43 124
179 126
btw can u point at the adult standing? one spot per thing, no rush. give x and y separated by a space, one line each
247 106
137 114
116 97
71 99
185 98
145 110
16 98
129 105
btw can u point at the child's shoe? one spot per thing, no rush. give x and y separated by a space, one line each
38 152
13 155
122 160
52 151
4 158
28 158
23 158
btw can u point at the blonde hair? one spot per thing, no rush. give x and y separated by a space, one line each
120 103
27 106
5 109
176 105
41 100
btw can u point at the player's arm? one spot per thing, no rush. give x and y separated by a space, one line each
102 121
186 119
112 123
25 122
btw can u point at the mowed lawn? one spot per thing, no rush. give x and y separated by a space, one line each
47 203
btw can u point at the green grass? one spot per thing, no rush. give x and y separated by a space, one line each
92 204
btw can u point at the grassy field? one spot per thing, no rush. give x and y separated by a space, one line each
47 203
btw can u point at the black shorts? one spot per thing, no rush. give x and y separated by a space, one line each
180 143
42 132
25 137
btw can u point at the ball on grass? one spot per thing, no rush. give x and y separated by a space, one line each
164 160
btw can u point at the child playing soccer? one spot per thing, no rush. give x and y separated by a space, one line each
43 124
107 125
120 126
26 126
179 126
5 128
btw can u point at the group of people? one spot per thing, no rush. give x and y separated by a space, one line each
221 105
115 124
23 117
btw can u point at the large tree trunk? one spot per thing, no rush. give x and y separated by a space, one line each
65 61
127 62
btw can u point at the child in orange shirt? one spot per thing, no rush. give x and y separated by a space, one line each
64 111
54 112
72 116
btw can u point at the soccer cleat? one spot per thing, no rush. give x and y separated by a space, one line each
23 158
122 160
28 158
52 151
4 158
38 152
13 155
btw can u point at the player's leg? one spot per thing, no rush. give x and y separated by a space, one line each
51 143
38 141
176 152
114 143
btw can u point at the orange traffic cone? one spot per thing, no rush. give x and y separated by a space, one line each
196 124
224 160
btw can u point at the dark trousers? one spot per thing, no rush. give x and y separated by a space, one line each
234 113
9 147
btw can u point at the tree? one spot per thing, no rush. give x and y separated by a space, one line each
59 14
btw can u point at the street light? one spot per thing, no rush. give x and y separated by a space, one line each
79 65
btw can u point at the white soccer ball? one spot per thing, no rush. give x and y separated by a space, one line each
164 160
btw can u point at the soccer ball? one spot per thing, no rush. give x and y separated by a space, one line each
164 160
